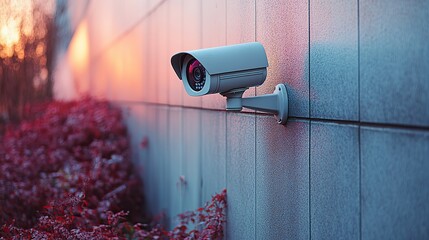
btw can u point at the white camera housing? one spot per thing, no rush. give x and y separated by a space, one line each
231 70
221 69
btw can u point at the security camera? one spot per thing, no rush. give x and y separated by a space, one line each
220 69
231 70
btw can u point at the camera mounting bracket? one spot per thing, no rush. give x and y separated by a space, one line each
275 103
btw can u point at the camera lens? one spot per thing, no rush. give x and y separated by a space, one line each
196 75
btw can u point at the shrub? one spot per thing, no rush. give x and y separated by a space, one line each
66 174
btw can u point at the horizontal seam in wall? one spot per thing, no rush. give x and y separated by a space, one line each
314 120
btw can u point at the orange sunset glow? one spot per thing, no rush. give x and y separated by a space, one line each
18 21
26 52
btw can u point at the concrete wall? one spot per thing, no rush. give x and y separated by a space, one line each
353 160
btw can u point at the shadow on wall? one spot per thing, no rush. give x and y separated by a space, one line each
330 70
333 80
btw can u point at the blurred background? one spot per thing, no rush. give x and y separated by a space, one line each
352 162
27 46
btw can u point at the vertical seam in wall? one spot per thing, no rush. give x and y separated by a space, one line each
226 173
360 182
145 74
256 27
182 157
167 162
226 127
226 119
254 159
226 22
167 10
201 30
181 41
309 179
358 49
157 168
200 161
226 150
255 37
309 127
90 64
200 116
157 56
359 127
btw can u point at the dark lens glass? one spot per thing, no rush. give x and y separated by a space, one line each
196 75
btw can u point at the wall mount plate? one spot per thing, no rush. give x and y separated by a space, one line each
282 104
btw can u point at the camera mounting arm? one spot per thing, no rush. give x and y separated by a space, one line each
275 103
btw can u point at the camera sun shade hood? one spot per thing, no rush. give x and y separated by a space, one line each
227 59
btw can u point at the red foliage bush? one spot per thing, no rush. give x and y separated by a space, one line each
210 220
74 148
66 174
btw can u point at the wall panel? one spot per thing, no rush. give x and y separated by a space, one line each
282 179
240 176
334 181
282 27
334 91
394 62
394 184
